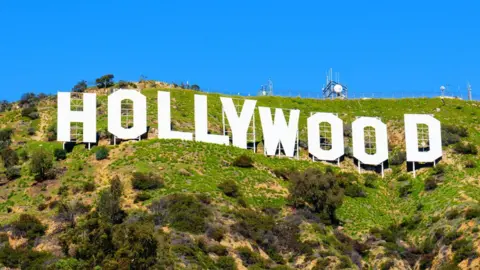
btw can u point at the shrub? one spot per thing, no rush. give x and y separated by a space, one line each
108 207
89 186
317 191
142 196
354 191
249 257
9 157
472 212
6 134
135 244
13 173
283 173
31 131
101 153
52 132
146 181
230 188
430 183
470 164
463 249
68 211
452 214
41 165
28 226
404 177
182 211
405 189
398 158
243 161
80 87
465 148
60 154
216 232
458 130
371 180
30 112
226 263
347 130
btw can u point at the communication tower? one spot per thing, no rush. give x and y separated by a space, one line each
333 88
469 89
266 89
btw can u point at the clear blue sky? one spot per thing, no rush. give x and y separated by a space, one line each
235 46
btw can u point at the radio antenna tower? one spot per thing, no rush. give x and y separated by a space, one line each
267 89
333 88
469 89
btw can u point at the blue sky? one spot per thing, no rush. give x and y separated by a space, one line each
390 47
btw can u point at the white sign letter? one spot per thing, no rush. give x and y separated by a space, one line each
239 125
201 123
165 120
139 114
88 117
279 131
411 138
381 140
336 137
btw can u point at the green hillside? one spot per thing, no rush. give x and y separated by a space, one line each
169 204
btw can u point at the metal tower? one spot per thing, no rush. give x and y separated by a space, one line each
333 88
469 89
266 89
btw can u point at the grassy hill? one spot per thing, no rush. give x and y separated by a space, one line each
195 205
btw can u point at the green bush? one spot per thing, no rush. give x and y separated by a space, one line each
142 196
30 112
470 164
146 181
108 205
317 191
216 232
41 165
355 191
13 172
60 154
9 157
28 226
183 212
405 189
226 263
430 183
472 212
398 158
230 188
89 186
465 148
452 214
463 250
371 180
101 153
249 257
243 161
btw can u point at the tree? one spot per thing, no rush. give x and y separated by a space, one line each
109 202
195 87
28 100
41 165
105 81
5 106
9 157
317 191
80 87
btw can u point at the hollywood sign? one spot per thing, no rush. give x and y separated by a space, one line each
276 130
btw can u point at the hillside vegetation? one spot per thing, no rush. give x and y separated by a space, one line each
170 204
